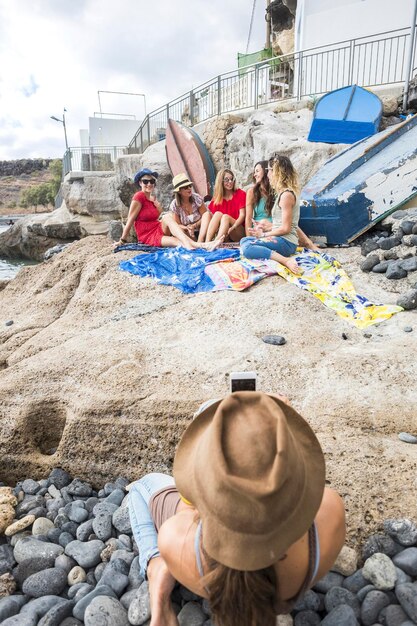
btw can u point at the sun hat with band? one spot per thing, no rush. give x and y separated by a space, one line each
181 180
144 172
255 471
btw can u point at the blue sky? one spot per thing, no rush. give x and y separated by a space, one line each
59 53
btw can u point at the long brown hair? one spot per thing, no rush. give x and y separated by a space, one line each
284 175
218 194
266 186
239 598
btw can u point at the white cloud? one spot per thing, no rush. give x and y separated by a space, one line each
56 54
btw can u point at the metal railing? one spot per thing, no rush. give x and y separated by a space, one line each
91 158
365 61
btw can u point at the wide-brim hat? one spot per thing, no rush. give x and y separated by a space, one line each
255 471
143 172
181 180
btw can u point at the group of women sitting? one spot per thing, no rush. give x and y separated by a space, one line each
264 220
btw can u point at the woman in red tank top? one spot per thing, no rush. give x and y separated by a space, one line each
144 212
228 208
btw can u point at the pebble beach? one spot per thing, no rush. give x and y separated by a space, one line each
67 557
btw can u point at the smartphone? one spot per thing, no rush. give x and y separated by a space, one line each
242 381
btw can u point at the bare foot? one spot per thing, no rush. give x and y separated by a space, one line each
211 245
292 265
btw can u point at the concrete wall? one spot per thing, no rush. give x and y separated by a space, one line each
320 22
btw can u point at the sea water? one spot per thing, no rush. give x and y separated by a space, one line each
10 267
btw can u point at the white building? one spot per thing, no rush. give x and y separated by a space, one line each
321 22
103 131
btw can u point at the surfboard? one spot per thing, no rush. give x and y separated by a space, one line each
187 153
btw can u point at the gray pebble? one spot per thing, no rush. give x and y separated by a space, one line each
381 268
98 571
7 560
58 613
107 508
140 607
30 486
410 264
342 615
126 556
116 497
65 562
135 578
114 577
393 615
339 595
84 530
9 323
407 561
32 566
11 605
103 611
331 579
127 598
275 340
380 571
362 593
407 438
28 503
407 596
29 548
407 329
310 601
372 605
191 615
76 512
70 527
102 526
100 590
306 618
19 620
380 543
65 539
74 589
387 243
51 581
370 262
59 478
402 577
121 520
54 534
79 488
403 530
86 554
408 300
355 582
37 607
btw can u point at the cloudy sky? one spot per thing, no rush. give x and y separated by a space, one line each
59 53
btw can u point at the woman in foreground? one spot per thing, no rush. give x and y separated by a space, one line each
144 212
279 240
227 207
248 523
188 209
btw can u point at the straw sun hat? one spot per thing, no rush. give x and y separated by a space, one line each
255 471
181 180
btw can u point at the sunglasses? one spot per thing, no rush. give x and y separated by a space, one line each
148 181
228 180
185 187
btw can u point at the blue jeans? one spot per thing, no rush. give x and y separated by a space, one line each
254 248
143 528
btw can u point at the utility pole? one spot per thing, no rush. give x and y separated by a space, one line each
410 56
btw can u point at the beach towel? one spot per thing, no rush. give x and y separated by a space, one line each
198 271
179 267
323 276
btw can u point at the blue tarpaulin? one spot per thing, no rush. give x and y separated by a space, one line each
178 267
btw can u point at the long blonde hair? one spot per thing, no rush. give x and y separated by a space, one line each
283 175
239 598
218 194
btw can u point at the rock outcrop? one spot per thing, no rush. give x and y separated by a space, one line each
101 371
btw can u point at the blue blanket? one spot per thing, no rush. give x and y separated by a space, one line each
181 268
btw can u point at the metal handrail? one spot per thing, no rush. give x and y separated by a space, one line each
367 61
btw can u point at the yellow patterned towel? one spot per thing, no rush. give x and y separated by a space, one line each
323 276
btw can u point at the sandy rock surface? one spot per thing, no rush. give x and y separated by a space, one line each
101 371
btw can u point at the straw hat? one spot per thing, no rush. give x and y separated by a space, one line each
255 471
181 180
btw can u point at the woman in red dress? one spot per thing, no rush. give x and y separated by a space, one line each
144 214
228 208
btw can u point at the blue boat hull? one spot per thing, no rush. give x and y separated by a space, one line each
361 185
